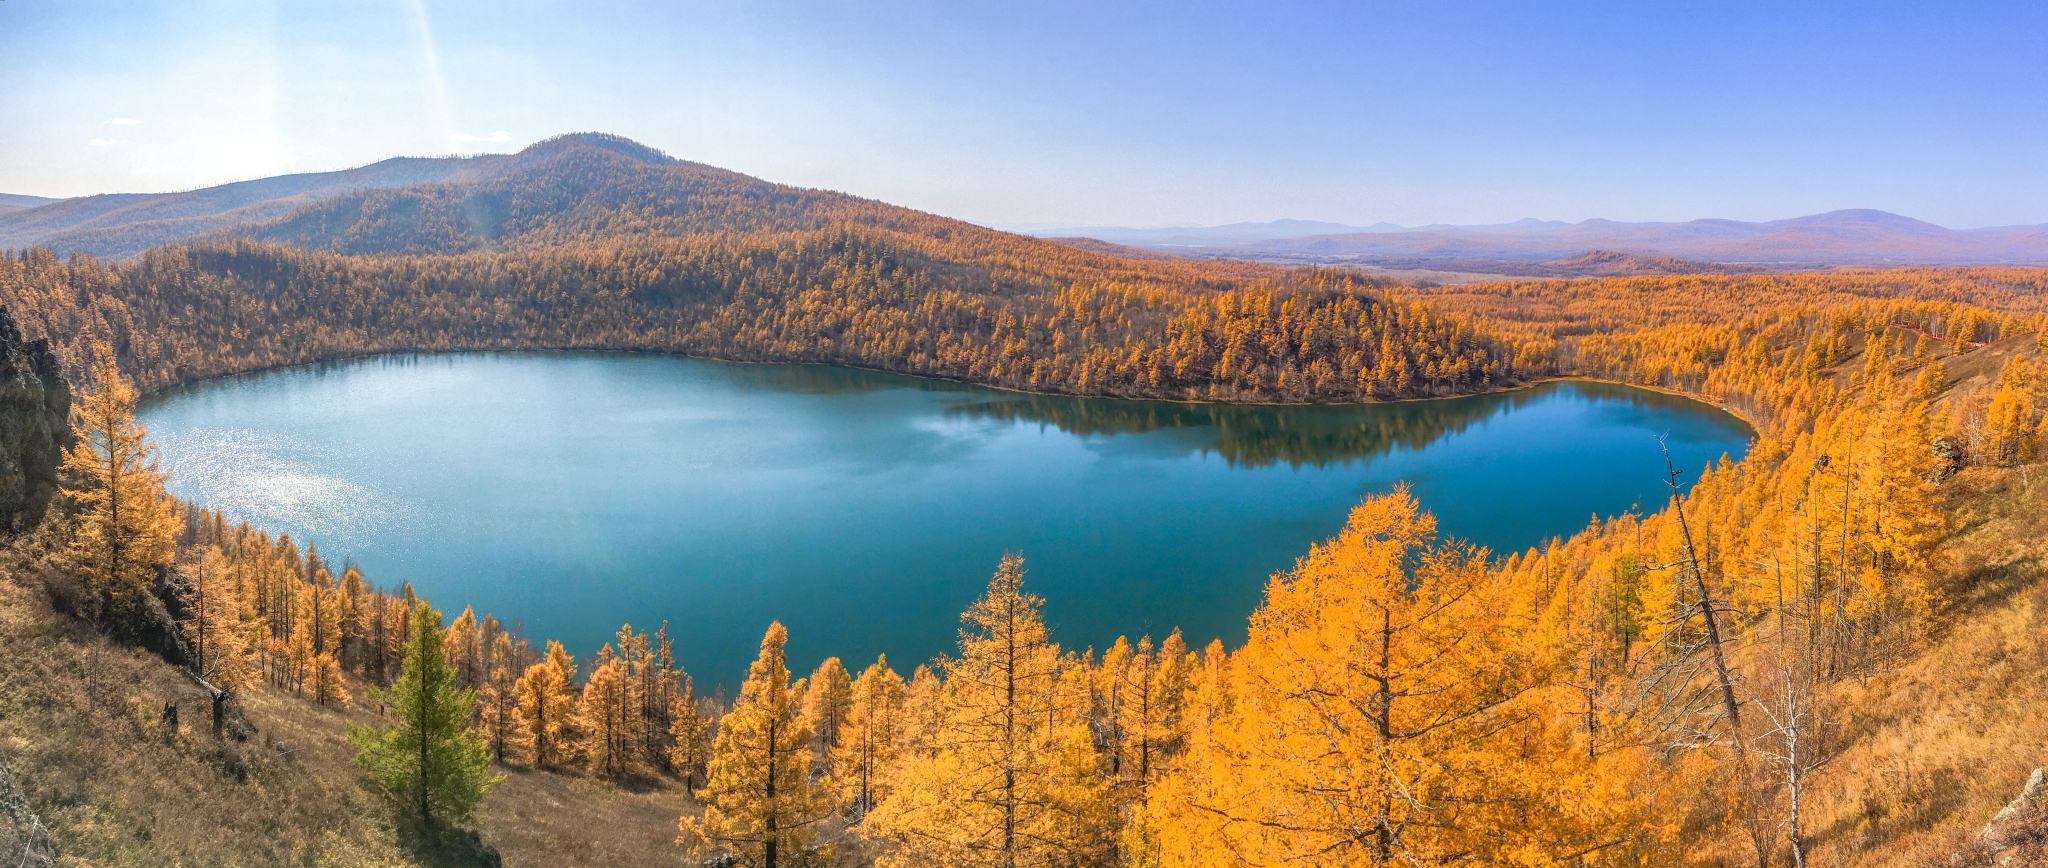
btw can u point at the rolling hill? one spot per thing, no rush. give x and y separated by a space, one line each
10 202
120 224
576 189
1857 236
123 224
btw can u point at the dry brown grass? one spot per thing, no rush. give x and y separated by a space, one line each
81 725
1930 751
534 818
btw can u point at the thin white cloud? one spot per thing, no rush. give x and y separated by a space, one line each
499 136
123 122
101 143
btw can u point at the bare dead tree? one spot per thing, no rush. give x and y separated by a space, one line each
1708 615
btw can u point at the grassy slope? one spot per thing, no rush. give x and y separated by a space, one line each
1920 757
1932 750
80 721
533 818
81 725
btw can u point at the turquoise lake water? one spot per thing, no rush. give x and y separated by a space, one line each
573 492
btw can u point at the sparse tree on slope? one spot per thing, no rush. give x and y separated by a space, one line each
127 525
465 653
499 698
216 627
430 761
318 640
2012 421
661 682
607 717
689 729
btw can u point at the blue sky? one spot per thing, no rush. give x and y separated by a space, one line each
1081 113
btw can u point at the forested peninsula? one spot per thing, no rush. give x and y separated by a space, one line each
1769 669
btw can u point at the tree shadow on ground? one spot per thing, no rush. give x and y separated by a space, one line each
439 846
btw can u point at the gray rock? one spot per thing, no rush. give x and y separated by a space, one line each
2001 831
145 621
35 426
1952 459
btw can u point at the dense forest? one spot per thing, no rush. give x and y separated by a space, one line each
846 296
1655 689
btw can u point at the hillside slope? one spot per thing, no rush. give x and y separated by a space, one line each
596 242
123 224
582 189
1932 751
482 187
17 202
83 728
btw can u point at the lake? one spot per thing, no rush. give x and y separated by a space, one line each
576 491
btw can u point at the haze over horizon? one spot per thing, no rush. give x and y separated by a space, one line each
1081 115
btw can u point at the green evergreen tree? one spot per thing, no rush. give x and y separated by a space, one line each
430 761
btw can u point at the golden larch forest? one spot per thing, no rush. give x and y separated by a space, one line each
1770 668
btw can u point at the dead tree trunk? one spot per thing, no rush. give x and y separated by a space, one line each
1699 577
221 698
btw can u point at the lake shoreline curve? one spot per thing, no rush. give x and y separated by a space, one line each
1519 385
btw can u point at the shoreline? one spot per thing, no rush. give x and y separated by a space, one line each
154 394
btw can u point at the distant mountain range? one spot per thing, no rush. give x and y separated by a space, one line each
589 187
1206 236
1837 237
16 202
1232 234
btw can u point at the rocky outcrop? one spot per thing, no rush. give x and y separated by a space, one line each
2017 836
1949 460
150 621
2020 821
35 426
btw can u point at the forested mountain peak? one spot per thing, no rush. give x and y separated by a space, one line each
124 224
581 189
602 141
